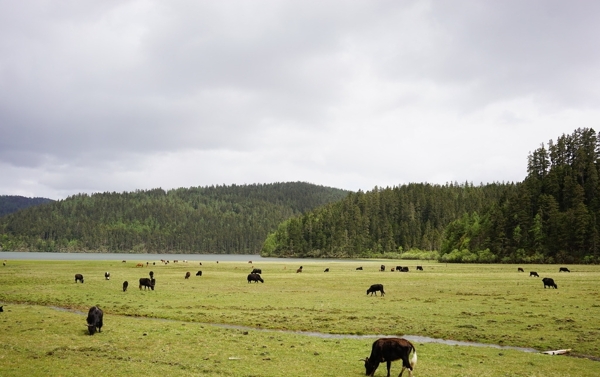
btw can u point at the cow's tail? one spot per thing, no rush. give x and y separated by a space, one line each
413 360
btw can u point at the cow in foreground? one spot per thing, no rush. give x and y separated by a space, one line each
94 319
563 269
255 277
79 277
533 273
147 283
375 288
388 350
549 282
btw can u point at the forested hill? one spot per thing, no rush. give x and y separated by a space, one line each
13 203
217 219
553 216
382 221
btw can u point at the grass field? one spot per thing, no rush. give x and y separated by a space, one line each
170 331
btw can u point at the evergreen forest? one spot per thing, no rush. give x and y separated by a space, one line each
13 203
217 219
550 217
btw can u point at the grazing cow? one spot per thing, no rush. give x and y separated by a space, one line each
175 261
1 309
382 268
419 268
404 269
256 271
533 273
326 270
123 261
388 350
255 277
374 288
107 275
4 263
199 273
549 282
79 277
359 268
187 275
520 269
125 285
563 269
94 320
250 261
200 263
139 265
299 270
147 283
399 268
151 273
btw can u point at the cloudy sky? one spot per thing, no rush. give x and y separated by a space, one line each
122 95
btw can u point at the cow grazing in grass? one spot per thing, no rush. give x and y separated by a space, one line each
256 271
1 309
533 273
388 350
199 273
326 270
399 268
125 285
563 269
358 268
255 277
419 268
404 269
375 288
382 268
549 282
187 275
79 277
94 320
107 275
520 269
299 270
147 283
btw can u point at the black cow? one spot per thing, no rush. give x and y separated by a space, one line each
399 268
125 285
256 271
326 270
382 268
151 273
533 273
199 273
94 320
1 309
147 283
520 269
187 275
107 275
374 288
255 277
388 350
549 282
404 269
79 277
359 268
563 269
419 268
299 270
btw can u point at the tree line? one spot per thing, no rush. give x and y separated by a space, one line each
550 217
215 219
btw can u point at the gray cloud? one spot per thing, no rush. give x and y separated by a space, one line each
125 95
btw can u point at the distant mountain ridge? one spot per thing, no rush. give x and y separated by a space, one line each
210 220
13 203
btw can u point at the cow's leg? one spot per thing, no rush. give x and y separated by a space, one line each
389 366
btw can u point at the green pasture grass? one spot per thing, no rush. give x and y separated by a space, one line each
492 304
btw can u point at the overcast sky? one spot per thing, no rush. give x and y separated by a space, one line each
122 95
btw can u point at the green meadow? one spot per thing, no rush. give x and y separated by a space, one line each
175 329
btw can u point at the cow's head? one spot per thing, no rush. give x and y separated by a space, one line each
370 367
91 329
